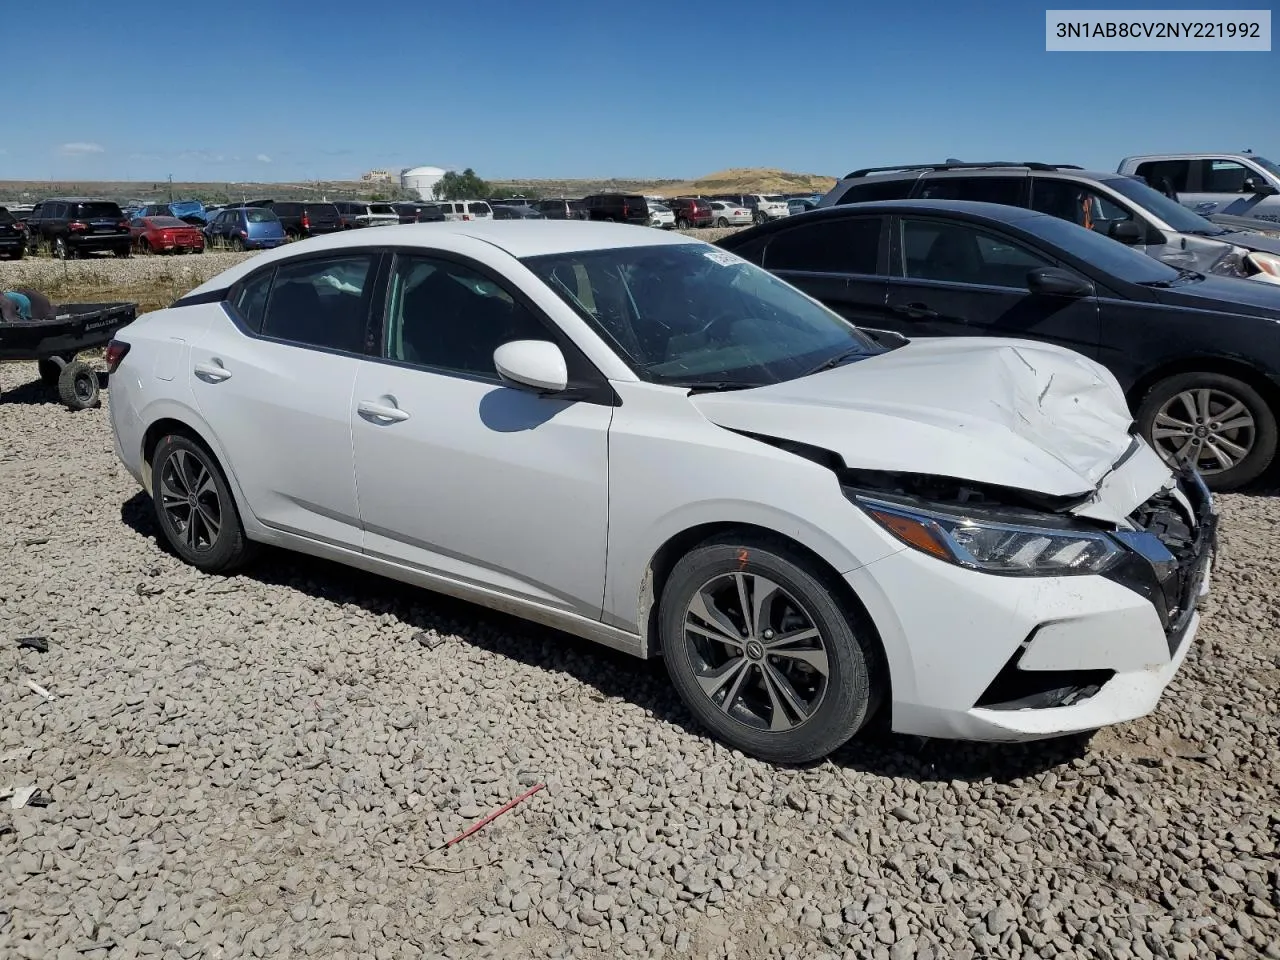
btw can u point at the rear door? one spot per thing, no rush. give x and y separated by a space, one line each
953 278
840 261
274 380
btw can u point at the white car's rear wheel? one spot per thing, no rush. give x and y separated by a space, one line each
194 506
760 650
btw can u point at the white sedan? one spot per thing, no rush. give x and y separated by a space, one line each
730 214
661 216
644 440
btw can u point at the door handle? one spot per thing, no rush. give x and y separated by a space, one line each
380 412
916 311
213 372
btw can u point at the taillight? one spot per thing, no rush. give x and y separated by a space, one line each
77 225
122 224
466 216
306 222
115 352
245 234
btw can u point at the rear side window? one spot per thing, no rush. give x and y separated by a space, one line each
479 206
321 303
876 191
249 299
1167 176
287 209
842 245
1006 190
322 211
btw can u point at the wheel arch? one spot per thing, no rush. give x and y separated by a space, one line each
663 561
1228 366
187 422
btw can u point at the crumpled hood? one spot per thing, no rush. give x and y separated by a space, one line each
1012 413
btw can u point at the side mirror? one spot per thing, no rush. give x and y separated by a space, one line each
532 364
1056 282
1259 188
1126 231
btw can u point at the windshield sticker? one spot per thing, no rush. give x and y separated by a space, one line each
724 258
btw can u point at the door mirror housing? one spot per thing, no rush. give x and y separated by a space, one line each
1056 282
537 365
1258 187
1127 231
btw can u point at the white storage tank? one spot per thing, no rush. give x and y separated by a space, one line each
423 180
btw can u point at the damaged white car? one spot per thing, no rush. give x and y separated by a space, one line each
651 443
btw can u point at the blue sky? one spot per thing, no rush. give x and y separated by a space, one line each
301 89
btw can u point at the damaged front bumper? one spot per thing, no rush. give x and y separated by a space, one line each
982 657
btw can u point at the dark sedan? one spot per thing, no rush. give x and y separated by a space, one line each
1198 356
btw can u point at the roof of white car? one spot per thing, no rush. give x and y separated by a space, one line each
518 238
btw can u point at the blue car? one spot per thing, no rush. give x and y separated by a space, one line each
245 228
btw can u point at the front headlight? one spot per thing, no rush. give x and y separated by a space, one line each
1013 549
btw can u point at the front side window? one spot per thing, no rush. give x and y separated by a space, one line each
450 317
1223 176
842 245
690 314
961 253
1073 201
321 303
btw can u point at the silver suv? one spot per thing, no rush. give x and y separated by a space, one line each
1119 206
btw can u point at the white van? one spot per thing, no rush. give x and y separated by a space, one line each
465 209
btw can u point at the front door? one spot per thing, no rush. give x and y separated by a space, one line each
954 279
465 477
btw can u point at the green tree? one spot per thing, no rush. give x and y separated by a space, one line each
462 186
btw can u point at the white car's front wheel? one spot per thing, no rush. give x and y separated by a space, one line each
760 650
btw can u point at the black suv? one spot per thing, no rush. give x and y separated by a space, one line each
302 220
71 226
13 235
412 212
617 208
562 209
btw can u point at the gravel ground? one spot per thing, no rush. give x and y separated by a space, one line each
266 765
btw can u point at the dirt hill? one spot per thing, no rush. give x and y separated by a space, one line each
737 180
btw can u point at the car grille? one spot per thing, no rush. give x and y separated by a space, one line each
1171 571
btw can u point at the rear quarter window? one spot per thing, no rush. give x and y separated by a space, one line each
877 190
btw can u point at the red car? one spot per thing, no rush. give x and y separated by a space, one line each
165 235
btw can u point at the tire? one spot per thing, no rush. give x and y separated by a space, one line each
60 249
838 705
144 246
19 253
1178 427
722 223
179 465
683 224
78 386
237 244
123 253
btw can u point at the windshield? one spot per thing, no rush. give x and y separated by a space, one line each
1266 165
381 208
1173 213
1093 248
257 215
776 199
689 314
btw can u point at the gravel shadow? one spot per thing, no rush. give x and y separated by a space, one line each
35 393
877 751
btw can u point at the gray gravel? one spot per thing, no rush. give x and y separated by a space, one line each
265 765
